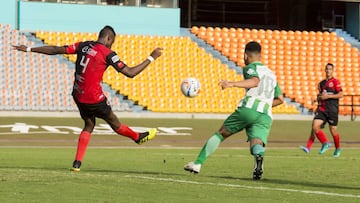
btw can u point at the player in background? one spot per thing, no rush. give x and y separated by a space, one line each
93 58
327 112
254 112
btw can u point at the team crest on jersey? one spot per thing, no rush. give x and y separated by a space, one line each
331 84
250 72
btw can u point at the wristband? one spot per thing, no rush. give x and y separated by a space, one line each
28 49
150 58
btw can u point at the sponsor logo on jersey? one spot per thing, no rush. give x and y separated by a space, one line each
250 72
115 59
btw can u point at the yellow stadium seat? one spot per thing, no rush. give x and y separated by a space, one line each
281 49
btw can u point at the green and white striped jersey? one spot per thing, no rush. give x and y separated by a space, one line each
260 98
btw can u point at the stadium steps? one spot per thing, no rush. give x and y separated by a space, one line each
164 95
215 53
31 85
292 54
123 105
348 37
232 65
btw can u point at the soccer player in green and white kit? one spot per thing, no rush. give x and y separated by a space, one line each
254 112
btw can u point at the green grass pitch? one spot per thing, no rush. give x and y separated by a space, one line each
34 167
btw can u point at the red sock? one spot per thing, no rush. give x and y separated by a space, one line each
83 142
310 142
337 141
127 132
321 136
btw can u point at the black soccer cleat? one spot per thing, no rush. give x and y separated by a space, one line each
146 136
258 169
76 166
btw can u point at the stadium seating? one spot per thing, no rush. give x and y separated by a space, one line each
158 87
297 57
33 81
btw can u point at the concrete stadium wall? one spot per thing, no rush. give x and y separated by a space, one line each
353 19
33 16
8 12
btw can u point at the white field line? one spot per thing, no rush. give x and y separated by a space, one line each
314 192
193 155
35 132
244 186
168 147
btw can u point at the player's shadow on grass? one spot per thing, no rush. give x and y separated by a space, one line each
90 170
133 172
290 182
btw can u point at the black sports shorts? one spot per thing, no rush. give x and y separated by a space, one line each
328 117
100 110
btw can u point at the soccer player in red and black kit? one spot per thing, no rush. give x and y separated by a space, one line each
93 58
327 112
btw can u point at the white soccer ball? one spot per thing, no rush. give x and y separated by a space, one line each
190 87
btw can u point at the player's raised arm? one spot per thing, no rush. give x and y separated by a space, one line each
49 50
247 83
135 70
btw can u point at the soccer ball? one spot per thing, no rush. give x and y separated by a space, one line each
190 87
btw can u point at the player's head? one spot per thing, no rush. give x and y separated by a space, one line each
107 36
329 69
252 52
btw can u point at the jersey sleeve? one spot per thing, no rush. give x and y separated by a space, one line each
338 86
277 91
71 49
250 71
113 60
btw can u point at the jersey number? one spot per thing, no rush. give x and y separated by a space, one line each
84 62
266 86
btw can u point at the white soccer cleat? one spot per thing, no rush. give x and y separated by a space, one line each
192 167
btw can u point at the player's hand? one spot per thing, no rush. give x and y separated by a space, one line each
156 53
324 96
224 84
20 47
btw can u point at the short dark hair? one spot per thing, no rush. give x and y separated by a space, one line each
253 47
106 30
330 64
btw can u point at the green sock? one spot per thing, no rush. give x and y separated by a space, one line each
257 150
210 146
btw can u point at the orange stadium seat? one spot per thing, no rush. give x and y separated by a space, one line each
297 57
168 71
304 54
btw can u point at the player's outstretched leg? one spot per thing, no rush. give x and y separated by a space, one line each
76 166
192 167
144 137
258 168
209 147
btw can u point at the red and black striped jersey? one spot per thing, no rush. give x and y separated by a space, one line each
330 86
93 58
